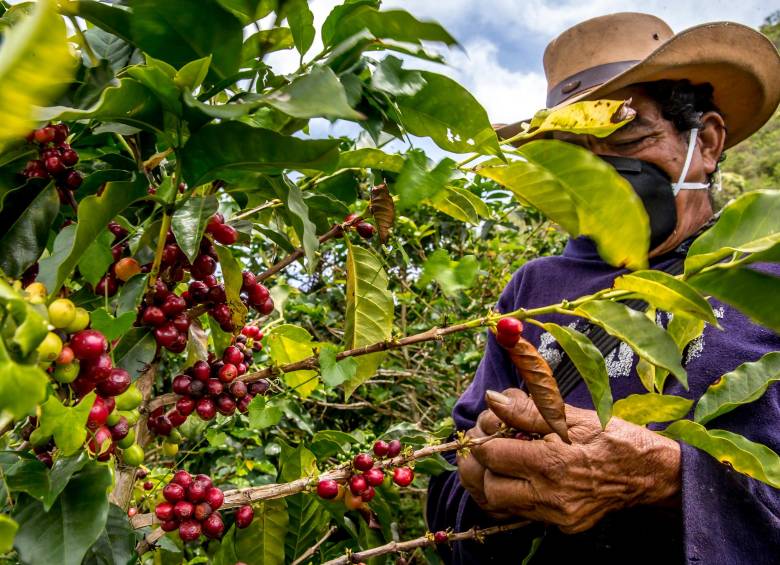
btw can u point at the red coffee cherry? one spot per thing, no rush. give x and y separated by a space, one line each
244 516
441 537
215 497
328 489
164 511
213 527
173 492
393 448
189 530
381 448
182 478
403 476
374 476
88 344
357 484
363 462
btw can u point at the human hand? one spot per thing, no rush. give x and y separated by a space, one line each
570 485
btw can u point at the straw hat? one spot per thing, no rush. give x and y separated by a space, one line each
601 55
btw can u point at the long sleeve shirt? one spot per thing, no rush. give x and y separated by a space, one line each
725 517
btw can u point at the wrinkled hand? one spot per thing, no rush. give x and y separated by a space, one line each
572 486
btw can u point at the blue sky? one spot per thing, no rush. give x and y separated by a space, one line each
503 41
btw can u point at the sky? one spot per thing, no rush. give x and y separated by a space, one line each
503 41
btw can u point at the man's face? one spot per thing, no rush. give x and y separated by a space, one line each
649 137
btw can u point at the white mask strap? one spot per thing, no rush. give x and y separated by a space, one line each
681 184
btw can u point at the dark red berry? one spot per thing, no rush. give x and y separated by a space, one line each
213 527
225 405
243 404
166 335
97 369
215 497
182 478
228 373
374 476
173 305
169 525
197 388
173 492
185 405
441 537
44 135
88 344
153 316
368 494
73 180
244 516
363 462
206 409
202 511
176 418
258 294
198 291
403 476
181 384
148 485
164 511
196 492
214 387
70 157
357 484
183 509
365 230
381 448
232 355
249 280
226 234
238 389
189 530
266 307
120 430
350 218
118 381
201 371
98 415
203 266
259 387
393 448
182 323
327 489
61 132
216 294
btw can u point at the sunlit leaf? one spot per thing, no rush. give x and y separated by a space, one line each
452 276
371 158
745 384
641 409
461 204
318 93
369 311
66 423
392 24
599 118
744 456
288 344
189 223
301 22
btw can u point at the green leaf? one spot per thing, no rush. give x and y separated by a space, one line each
288 344
262 543
461 204
130 294
94 214
192 75
110 18
232 273
266 41
112 327
8 528
59 477
73 523
28 475
389 77
668 293
590 364
743 385
370 158
369 315
35 66
157 76
176 33
641 409
648 340
116 544
306 515
749 224
301 22
236 146
129 103
189 223
263 414
307 231
390 24
111 48
447 113
25 240
135 351
97 258
744 456
326 443
66 423
452 276
22 387
319 93
31 327
417 181
746 289
334 372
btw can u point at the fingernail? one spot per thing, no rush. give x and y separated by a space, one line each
498 398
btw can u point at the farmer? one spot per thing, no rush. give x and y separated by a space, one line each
627 494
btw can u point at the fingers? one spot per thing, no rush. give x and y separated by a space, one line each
516 409
514 457
514 495
488 422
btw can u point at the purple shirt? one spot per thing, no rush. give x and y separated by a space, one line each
725 517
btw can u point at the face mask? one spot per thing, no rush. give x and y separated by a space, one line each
656 191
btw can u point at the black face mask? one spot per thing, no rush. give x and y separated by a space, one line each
654 189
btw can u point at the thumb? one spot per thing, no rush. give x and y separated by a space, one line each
516 409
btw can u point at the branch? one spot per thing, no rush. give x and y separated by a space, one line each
335 231
423 541
242 496
313 549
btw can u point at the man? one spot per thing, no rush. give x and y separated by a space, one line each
627 494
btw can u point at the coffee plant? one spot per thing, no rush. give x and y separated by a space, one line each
225 339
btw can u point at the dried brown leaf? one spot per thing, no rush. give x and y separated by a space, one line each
542 386
383 210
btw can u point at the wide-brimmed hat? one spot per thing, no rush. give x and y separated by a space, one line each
604 54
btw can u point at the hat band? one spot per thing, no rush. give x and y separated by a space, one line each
586 79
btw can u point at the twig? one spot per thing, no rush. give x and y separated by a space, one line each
242 496
423 541
313 549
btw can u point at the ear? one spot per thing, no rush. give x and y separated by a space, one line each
712 137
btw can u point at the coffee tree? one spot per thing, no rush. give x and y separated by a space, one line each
227 339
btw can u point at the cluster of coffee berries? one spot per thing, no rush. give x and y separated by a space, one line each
364 229
220 231
122 269
191 506
366 476
165 311
209 387
56 157
256 295
508 332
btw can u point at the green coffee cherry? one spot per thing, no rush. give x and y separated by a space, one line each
129 399
66 373
62 313
133 455
128 440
